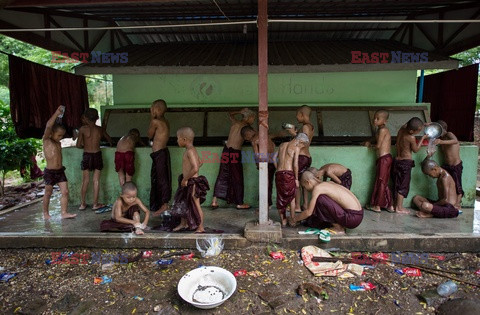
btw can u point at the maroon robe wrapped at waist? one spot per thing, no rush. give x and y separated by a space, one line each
229 183
456 173
304 162
329 211
286 188
161 179
401 176
346 179
381 195
444 211
184 203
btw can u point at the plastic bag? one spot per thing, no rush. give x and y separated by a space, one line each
210 247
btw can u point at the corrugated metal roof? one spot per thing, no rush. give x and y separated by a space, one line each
280 53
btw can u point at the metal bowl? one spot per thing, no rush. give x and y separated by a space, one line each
434 130
287 126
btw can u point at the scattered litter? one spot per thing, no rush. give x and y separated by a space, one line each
438 257
102 280
164 262
4 277
187 256
147 254
277 255
136 297
364 286
255 273
240 273
210 247
447 288
356 288
380 256
107 267
396 303
412 272
477 272
312 258
2 269
312 289
399 271
429 296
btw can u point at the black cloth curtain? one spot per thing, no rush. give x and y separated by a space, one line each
453 96
35 93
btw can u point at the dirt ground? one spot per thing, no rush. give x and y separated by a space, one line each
270 286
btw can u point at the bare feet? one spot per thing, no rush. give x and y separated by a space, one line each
68 215
82 207
298 210
391 209
200 229
284 222
98 206
214 205
374 208
337 229
162 209
46 216
402 210
244 206
179 227
421 214
139 231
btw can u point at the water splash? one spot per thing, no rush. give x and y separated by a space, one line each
432 147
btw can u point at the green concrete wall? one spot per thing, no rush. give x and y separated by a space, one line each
359 159
181 90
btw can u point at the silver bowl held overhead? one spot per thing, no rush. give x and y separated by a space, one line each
433 130
288 126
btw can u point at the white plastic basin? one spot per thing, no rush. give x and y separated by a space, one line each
207 287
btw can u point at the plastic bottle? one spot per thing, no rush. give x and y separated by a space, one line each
63 111
166 217
447 288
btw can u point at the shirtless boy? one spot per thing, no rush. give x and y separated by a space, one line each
331 206
192 188
229 183
451 154
126 213
89 137
447 195
125 156
337 173
54 172
305 159
161 174
286 177
403 163
381 196
249 134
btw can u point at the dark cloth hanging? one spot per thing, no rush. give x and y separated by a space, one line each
453 95
36 92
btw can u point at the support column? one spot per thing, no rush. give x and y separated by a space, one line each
262 23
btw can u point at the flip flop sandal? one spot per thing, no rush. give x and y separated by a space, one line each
324 236
107 208
310 231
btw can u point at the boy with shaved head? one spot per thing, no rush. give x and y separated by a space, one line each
305 159
192 188
161 174
403 163
336 172
229 183
453 164
381 196
287 175
447 195
332 206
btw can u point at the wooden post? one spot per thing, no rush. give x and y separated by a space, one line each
262 22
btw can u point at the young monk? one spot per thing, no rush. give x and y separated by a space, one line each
126 213
89 137
54 172
447 195
192 188
331 206
161 174
286 177
381 196
249 134
337 173
125 156
453 164
403 163
229 183
305 159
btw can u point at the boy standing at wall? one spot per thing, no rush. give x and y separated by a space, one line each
54 172
161 174
453 164
192 187
381 196
125 156
403 163
229 183
286 177
305 159
89 137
